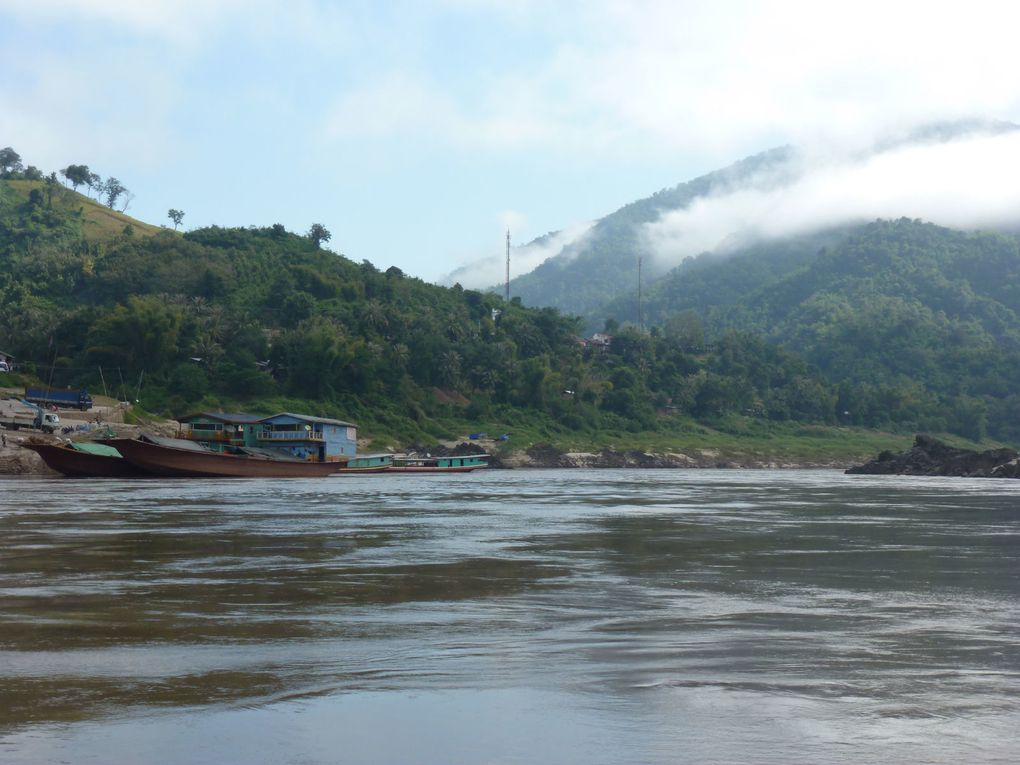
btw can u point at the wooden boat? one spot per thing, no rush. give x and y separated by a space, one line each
178 458
367 463
84 460
414 463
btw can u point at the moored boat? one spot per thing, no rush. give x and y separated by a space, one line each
84 460
414 463
179 458
368 463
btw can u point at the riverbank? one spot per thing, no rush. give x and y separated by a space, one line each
549 456
804 447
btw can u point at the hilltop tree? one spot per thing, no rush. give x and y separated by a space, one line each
52 185
319 234
176 216
10 161
112 190
95 183
77 175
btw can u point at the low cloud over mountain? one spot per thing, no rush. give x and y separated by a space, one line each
969 181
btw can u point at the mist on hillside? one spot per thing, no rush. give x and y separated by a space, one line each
490 271
969 182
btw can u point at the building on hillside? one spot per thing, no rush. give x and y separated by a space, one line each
314 438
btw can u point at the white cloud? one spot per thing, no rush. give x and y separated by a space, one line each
490 271
682 77
183 22
966 183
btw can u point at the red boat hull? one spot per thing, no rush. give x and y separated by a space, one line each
172 462
76 464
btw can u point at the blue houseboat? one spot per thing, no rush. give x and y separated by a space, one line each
317 439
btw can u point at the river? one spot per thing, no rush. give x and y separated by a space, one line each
561 616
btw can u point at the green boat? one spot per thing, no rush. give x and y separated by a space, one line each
414 463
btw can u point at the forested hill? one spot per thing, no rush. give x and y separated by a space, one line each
603 264
904 313
262 319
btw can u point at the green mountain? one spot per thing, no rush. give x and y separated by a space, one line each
602 265
262 319
902 325
900 315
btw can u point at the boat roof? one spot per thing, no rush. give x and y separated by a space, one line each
176 443
310 418
236 418
100 450
277 455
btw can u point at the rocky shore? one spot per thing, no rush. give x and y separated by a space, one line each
17 461
548 456
929 456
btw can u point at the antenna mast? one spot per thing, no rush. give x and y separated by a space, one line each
640 314
507 265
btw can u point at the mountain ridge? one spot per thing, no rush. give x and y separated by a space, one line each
586 275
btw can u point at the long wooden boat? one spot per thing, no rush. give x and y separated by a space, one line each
367 463
84 460
177 458
413 463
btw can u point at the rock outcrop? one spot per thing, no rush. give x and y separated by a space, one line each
929 456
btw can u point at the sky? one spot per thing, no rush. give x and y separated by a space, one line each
419 132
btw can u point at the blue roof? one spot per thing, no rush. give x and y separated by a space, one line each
309 418
235 418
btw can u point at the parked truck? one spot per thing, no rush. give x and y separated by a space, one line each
16 414
70 399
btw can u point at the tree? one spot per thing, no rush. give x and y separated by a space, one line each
95 183
140 335
319 234
112 189
77 175
52 185
176 216
10 161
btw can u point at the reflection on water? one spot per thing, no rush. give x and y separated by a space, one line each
560 616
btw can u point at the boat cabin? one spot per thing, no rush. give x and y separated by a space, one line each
220 429
317 439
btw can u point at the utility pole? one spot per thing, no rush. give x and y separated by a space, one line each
640 314
507 297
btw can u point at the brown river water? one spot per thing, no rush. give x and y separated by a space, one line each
560 616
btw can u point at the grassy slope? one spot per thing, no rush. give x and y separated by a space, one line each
99 221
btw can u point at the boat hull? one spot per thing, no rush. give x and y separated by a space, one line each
413 463
172 462
75 464
424 469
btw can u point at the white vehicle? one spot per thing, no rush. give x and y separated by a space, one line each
16 414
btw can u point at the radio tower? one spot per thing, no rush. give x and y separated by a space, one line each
507 265
640 313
